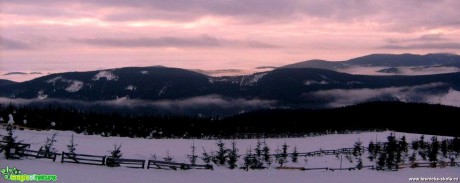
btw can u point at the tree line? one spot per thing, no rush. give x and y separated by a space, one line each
257 124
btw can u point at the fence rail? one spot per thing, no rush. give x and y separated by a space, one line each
18 144
38 154
326 152
174 166
83 159
129 163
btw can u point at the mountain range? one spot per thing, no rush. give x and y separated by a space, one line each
310 84
381 64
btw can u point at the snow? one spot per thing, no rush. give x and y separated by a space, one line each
135 148
41 95
74 86
108 75
252 79
130 87
144 72
312 82
53 80
10 119
143 148
257 77
162 91
353 82
223 80
100 174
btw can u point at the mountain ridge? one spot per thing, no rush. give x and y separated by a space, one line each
385 60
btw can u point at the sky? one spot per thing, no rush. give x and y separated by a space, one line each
54 35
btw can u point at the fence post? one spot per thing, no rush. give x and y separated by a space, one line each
103 160
62 159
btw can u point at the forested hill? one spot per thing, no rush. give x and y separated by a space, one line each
405 117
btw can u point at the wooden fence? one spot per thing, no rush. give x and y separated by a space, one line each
83 159
129 163
38 154
174 166
325 152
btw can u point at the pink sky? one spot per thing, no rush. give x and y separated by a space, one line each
56 35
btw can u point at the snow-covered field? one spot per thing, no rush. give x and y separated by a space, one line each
178 148
73 173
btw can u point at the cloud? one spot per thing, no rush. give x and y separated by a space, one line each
422 38
451 98
427 41
91 31
431 37
438 46
209 104
10 44
202 41
409 14
409 71
345 97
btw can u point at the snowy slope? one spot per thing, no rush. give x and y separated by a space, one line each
70 173
134 148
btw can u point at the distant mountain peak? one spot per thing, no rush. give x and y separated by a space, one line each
384 60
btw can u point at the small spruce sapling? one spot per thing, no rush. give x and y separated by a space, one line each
221 154
192 157
357 153
10 143
266 154
72 147
168 157
206 157
115 155
48 148
294 155
233 156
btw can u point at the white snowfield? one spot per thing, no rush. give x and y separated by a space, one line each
134 148
105 74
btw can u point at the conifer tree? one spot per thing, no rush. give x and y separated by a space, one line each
433 150
422 148
372 149
294 155
72 147
248 160
391 152
381 161
221 154
233 156
266 154
10 143
115 155
403 150
206 157
47 149
444 148
258 149
168 157
192 157
281 155
357 153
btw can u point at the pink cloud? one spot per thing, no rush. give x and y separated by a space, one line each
55 35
